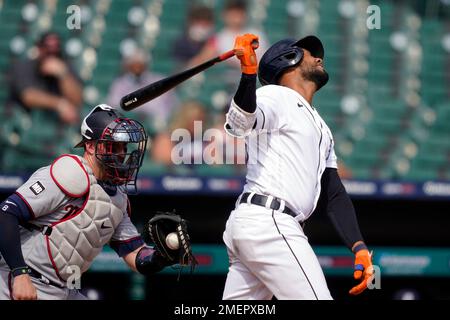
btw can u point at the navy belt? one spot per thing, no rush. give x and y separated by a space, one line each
45 230
37 275
261 200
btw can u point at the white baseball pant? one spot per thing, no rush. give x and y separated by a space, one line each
270 255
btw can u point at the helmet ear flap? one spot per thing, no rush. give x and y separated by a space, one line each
289 60
294 57
283 55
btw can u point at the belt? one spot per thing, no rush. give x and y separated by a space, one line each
45 230
261 200
37 275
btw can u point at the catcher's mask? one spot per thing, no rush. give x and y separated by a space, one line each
120 145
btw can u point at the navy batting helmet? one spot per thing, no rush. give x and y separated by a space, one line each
285 54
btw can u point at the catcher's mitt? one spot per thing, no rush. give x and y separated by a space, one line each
164 223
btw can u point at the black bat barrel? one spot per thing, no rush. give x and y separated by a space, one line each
155 89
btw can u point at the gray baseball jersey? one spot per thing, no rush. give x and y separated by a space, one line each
48 204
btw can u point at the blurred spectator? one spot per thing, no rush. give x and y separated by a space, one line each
228 153
344 171
47 82
135 76
200 26
188 113
234 16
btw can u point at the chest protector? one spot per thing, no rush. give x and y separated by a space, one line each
77 239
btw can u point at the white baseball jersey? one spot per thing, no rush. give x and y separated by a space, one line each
288 150
292 150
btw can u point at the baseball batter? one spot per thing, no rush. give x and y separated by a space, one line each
292 170
58 221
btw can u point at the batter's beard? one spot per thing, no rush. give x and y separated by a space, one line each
319 77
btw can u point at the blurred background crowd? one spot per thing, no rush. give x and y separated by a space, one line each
387 101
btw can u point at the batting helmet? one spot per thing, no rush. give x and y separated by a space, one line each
285 54
120 144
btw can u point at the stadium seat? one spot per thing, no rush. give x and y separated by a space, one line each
377 131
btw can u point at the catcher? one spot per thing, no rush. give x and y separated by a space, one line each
59 220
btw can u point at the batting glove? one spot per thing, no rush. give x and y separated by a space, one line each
244 49
363 269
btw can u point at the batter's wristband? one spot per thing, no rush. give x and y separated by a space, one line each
20 271
359 247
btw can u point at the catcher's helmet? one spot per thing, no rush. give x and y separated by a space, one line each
285 54
120 144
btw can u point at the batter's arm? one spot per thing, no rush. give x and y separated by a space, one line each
241 116
336 202
339 207
245 97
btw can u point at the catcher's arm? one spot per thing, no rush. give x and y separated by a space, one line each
151 260
130 259
145 260
148 261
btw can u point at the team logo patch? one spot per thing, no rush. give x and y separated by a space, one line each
37 188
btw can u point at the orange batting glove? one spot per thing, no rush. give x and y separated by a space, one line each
244 49
363 268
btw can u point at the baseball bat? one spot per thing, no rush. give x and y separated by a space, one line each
153 90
